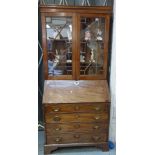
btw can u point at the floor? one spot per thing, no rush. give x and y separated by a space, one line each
72 151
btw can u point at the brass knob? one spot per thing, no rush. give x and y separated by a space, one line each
97 108
58 139
77 126
58 129
96 138
77 107
76 136
96 127
56 109
97 117
56 118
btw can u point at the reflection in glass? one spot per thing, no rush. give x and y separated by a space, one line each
59 45
77 2
91 41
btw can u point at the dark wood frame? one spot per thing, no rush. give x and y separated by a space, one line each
76 13
106 41
43 16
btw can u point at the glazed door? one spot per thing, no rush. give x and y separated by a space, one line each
75 46
93 46
58 45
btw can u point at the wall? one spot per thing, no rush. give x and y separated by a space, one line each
112 132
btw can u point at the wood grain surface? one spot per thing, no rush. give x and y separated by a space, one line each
76 137
66 91
57 128
78 117
76 107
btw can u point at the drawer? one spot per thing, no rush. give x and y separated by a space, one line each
76 107
76 138
75 127
75 117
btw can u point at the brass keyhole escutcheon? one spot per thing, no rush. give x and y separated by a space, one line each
97 108
58 129
76 136
58 139
97 117
56 118
96 127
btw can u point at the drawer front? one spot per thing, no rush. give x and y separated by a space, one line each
77 107
76 138
76 117
76 127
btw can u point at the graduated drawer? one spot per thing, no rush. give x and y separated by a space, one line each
75 117
76 127
76 138
76 107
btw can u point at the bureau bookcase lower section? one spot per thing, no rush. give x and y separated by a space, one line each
86 125
72 117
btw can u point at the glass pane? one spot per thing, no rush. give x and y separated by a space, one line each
103 2
84 2
91 46
78 2
59 45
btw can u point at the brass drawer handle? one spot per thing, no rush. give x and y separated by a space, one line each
97 117
56 109
97 108
96 138
96 127
76 136
58 139
77 126
77 107
56 118
58 129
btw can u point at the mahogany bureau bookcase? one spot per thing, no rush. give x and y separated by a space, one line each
76 99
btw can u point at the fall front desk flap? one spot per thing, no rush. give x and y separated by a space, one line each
71 91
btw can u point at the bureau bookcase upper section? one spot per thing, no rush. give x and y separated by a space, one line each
75 42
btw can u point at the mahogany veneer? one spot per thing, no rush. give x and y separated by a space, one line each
65 91
76 115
